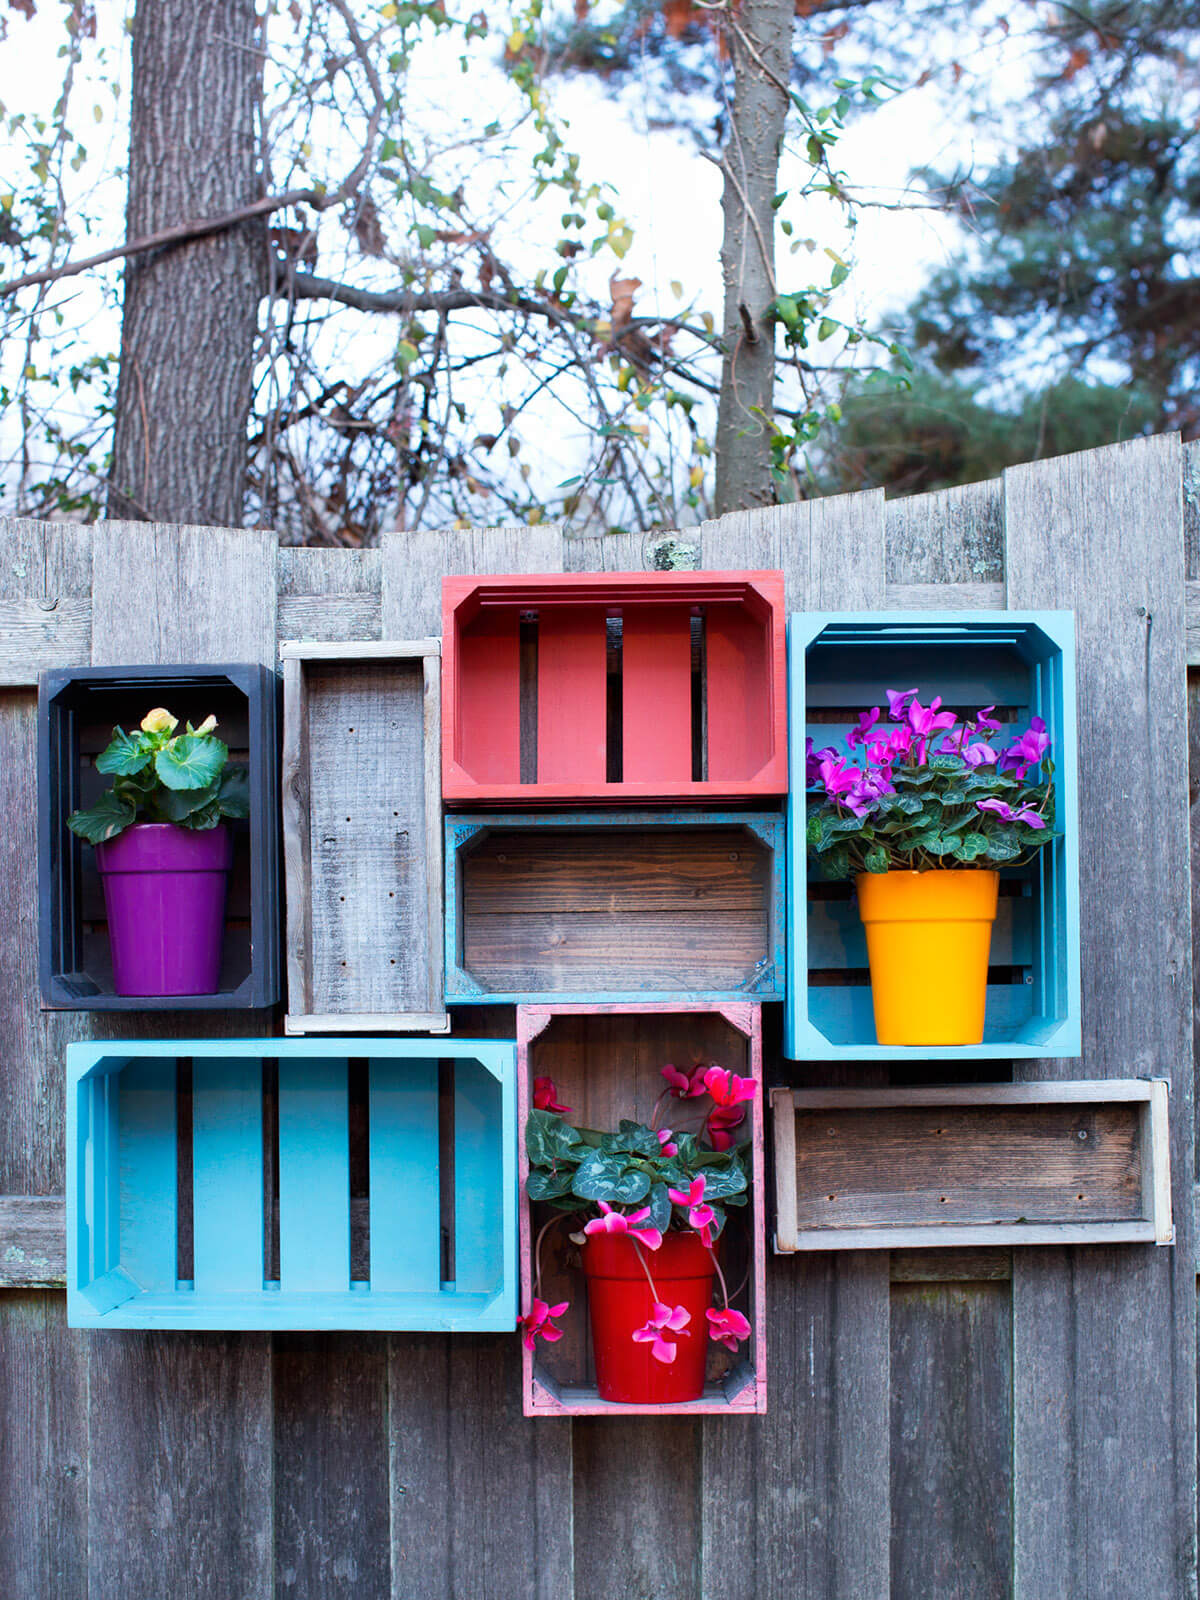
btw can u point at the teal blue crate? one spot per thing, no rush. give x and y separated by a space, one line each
1024 663
146 1204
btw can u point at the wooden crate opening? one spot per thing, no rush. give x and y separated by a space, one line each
606 1063
1023 664
1013 1163
362 837
292 1184
77 713
614 686
610 906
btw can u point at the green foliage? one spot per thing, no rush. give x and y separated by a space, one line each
161 776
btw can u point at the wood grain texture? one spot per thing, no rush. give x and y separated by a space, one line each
329 594
951 1365
816 1468
954 536
43 1461
1104 1340
641 1543
462 1456
33 1248
332 1495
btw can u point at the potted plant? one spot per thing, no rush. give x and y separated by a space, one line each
163 853
647 1210
922 809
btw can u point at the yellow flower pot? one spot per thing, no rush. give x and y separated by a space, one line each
928 938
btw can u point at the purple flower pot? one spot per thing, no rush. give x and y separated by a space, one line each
164 888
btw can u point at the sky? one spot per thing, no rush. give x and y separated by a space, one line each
666 190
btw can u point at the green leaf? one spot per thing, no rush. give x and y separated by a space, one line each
660 1207
836 864
542 1185
609 1177
234 796
191 761
971 846
1004 844
718 1184
633 1138
934 841
128 753
549 1140
105 820
178 805
876 859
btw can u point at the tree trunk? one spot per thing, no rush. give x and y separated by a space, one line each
759 36
190 311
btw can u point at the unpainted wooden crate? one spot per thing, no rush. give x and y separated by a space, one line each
621 687
980 1164
614 906
1023 663
606 1063
292 1183
77 711
362 837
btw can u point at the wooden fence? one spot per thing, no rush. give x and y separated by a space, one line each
941 1425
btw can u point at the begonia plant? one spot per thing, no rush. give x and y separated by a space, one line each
642 1182
927 789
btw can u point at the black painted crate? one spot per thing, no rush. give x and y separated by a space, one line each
77 711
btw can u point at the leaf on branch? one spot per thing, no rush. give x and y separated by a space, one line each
367 228
622 291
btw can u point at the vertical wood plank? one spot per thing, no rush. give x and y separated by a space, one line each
405 1211
643 1543
951 1353
314 1175
656 694
572 703
179 1457
815 1470
331 1529
461 1454
1104 1339
227 1175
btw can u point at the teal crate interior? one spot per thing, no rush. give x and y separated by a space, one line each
300 1183
1024 664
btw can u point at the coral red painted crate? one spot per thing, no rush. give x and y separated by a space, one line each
614 687
606 1061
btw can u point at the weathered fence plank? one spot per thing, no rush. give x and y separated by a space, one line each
1104 1346
33 1246
329 594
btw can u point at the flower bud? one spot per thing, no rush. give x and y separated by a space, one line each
207 725
159 721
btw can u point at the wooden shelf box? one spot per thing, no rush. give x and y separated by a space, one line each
1024 664
292 1183
362 837
606 1063
1001 1163
614 906
77 711
621 687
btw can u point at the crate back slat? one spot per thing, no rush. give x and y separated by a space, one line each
405 1205
227 1175
314 1176
572 696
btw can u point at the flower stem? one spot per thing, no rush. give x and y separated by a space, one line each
720 1276
537 1255
646 1270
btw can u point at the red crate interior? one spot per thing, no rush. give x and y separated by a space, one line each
619 684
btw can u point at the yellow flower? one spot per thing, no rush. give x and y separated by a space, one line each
207 725
159 721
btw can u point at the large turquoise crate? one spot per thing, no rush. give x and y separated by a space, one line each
1024 663
292 1183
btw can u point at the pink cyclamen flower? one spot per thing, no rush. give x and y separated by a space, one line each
985 720
545 1096
727 1089
728 1327
721 1123
720 1137
685 1085
538 1323
700 1216
665 1319
866 722
1005 812
616 1222
928 720
666 1141
899 701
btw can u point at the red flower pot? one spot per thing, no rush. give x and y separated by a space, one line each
620 1301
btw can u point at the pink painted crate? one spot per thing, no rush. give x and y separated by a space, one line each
613 687
605 1061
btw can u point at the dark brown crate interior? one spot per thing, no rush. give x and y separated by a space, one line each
914 1165
609 1066
558 910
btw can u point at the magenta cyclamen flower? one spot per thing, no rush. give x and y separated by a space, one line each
700 1216
666 1141
928 720
728 1327
838 776
986 721
666 1319
685 1085
978 754
545 1096
635 1223
721 1123
899 701
866 722
1006 813
537 1322
727 1089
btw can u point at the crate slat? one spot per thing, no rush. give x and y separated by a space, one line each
656 697
572 696
314 1176
405 1205
227 1174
